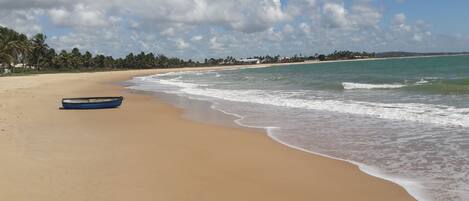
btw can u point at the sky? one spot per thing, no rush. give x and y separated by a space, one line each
218 28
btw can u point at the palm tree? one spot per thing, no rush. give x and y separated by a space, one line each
39 49
6 51
87 60
13 47
76 58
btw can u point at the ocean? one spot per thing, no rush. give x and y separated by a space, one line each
404 120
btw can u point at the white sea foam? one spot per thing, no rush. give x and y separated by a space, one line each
351 85
424 113
174 82
416 112
421 81
173 73
179 73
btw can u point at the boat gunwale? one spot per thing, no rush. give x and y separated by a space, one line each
113 99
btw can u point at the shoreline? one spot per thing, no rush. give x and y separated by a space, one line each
39 148
409 185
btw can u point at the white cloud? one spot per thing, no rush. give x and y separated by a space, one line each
133 24
305 28
417 38
22 20
80 16
365 15
309 8
242 15
399 18
335 16
168 32
58 16
288 29
197 38
399 23
219 28
181 44
361 15
31 4
215 45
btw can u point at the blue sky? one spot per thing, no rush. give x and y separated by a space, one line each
445 16
218 28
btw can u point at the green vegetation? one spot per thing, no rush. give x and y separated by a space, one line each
344 55
415 54
22 55
14 47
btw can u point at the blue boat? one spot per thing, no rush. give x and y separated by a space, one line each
92 102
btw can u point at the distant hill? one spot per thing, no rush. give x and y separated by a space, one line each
413 54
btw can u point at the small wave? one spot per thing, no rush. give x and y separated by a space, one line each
423 113
421 81
175 82
351 85
444 86
416 112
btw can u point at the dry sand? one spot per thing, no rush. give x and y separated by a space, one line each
146 151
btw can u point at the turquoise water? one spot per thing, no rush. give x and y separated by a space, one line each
405 120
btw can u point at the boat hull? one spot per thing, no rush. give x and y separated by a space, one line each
97 103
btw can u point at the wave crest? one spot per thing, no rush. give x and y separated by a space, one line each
352 85
416 112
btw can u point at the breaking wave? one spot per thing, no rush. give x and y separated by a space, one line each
351 85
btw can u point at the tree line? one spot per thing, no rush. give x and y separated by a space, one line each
34 54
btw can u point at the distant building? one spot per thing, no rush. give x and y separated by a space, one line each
250 61
361 57
19 65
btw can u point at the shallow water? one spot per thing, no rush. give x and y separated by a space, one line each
402 119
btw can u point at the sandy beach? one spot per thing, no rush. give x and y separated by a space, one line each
146 150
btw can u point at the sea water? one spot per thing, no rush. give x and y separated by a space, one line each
405 120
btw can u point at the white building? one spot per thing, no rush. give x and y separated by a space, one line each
250 61
19 65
